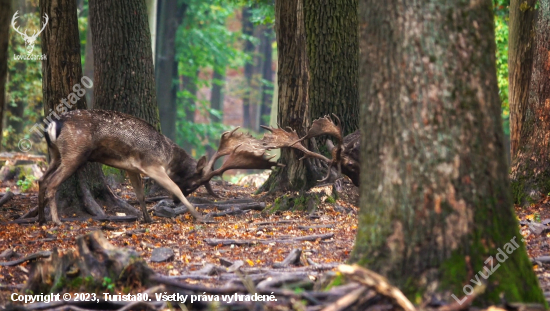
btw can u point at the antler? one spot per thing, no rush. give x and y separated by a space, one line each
34 35
17 28
243 151
323 126
279 138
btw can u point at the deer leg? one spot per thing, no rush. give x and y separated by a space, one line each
57 178
42 189
160 176
135 179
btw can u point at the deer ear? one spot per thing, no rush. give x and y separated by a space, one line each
201 164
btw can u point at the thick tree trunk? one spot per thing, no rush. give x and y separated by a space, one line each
521 43
171 16
61 76
248 29
435 196
89 65
530 172
333 54
293 80
123 59
266 50
216 96
5 15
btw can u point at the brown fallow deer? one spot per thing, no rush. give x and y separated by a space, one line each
344 156
131 144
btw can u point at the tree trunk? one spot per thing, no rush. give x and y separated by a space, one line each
171 15
293 80
216 97
248 30
435 198
62 73
521 43
267 74
123 59
5 14
333 55
530 171
89 64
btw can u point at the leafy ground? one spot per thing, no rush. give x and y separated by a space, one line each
187 238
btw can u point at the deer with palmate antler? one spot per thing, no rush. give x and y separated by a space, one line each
131 144
29 40
344 156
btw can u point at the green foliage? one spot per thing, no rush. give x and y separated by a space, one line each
108 284
501 8
501 40
204 42
23 87
26 183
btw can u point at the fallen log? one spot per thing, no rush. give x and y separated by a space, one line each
43 254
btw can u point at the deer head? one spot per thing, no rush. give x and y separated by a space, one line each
29 40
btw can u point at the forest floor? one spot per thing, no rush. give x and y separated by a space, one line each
188 239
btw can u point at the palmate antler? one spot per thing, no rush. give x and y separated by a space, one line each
279 138
246 152
243 152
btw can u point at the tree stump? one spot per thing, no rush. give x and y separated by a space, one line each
85 269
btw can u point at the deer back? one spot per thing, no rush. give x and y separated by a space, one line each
115 139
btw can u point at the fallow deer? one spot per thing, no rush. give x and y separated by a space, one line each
345 155
131 144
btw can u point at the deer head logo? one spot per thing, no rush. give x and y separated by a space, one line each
29 40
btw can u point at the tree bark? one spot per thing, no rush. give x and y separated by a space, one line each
248 30
61 76
530 171
435 198
171 15
333 53
5 14
267 74
521 43
89 65
123 59
293 80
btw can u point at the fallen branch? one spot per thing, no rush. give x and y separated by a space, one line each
292 258
315 227
130 218
43 254
225 242
347 300
8 196
378 282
